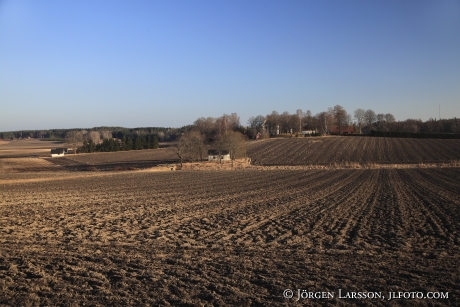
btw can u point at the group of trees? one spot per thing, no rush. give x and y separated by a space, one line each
212 127
372 121
337 119
114 144
286 123
223 134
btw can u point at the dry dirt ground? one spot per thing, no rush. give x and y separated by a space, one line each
236 238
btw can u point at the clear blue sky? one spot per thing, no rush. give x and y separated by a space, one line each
66 64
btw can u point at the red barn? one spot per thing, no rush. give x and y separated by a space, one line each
345 130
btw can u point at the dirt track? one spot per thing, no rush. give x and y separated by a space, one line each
230 238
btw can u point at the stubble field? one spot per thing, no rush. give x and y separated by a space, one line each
217 238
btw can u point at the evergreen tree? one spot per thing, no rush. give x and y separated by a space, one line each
155 143
129 143
138 143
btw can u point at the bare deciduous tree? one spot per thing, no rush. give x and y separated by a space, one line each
273 122
181 149
389 118
285 122
359 116
190 146
256 122
340 117
196 147
234 121
94 136
205 125
161 136
236 145
256 125
106 134
308 119
74 138
300 117
325 120
381 125
370 117
233 142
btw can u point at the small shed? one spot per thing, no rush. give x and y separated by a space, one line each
213 155
58 152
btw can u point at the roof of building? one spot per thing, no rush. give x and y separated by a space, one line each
58 151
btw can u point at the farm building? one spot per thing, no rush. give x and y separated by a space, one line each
213 155
58 152
307 129
343 130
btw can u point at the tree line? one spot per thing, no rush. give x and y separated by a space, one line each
216 132
337 120
163 134
103 141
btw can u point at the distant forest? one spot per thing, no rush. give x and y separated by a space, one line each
163 134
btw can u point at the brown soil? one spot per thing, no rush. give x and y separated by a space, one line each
353 149
236 238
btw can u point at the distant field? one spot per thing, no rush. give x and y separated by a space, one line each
27 148
22 156
156 155
326 150
133 159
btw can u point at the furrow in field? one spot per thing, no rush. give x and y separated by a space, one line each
403 156
301 151
331 218
290 222
430 222
442 205
128 212
435 179
241 218
383 223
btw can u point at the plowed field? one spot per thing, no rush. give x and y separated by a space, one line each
27 148
304 151
117 160
230 238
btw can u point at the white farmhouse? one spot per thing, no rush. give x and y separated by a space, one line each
58 152
213 155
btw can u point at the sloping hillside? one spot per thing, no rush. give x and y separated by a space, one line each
363 150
